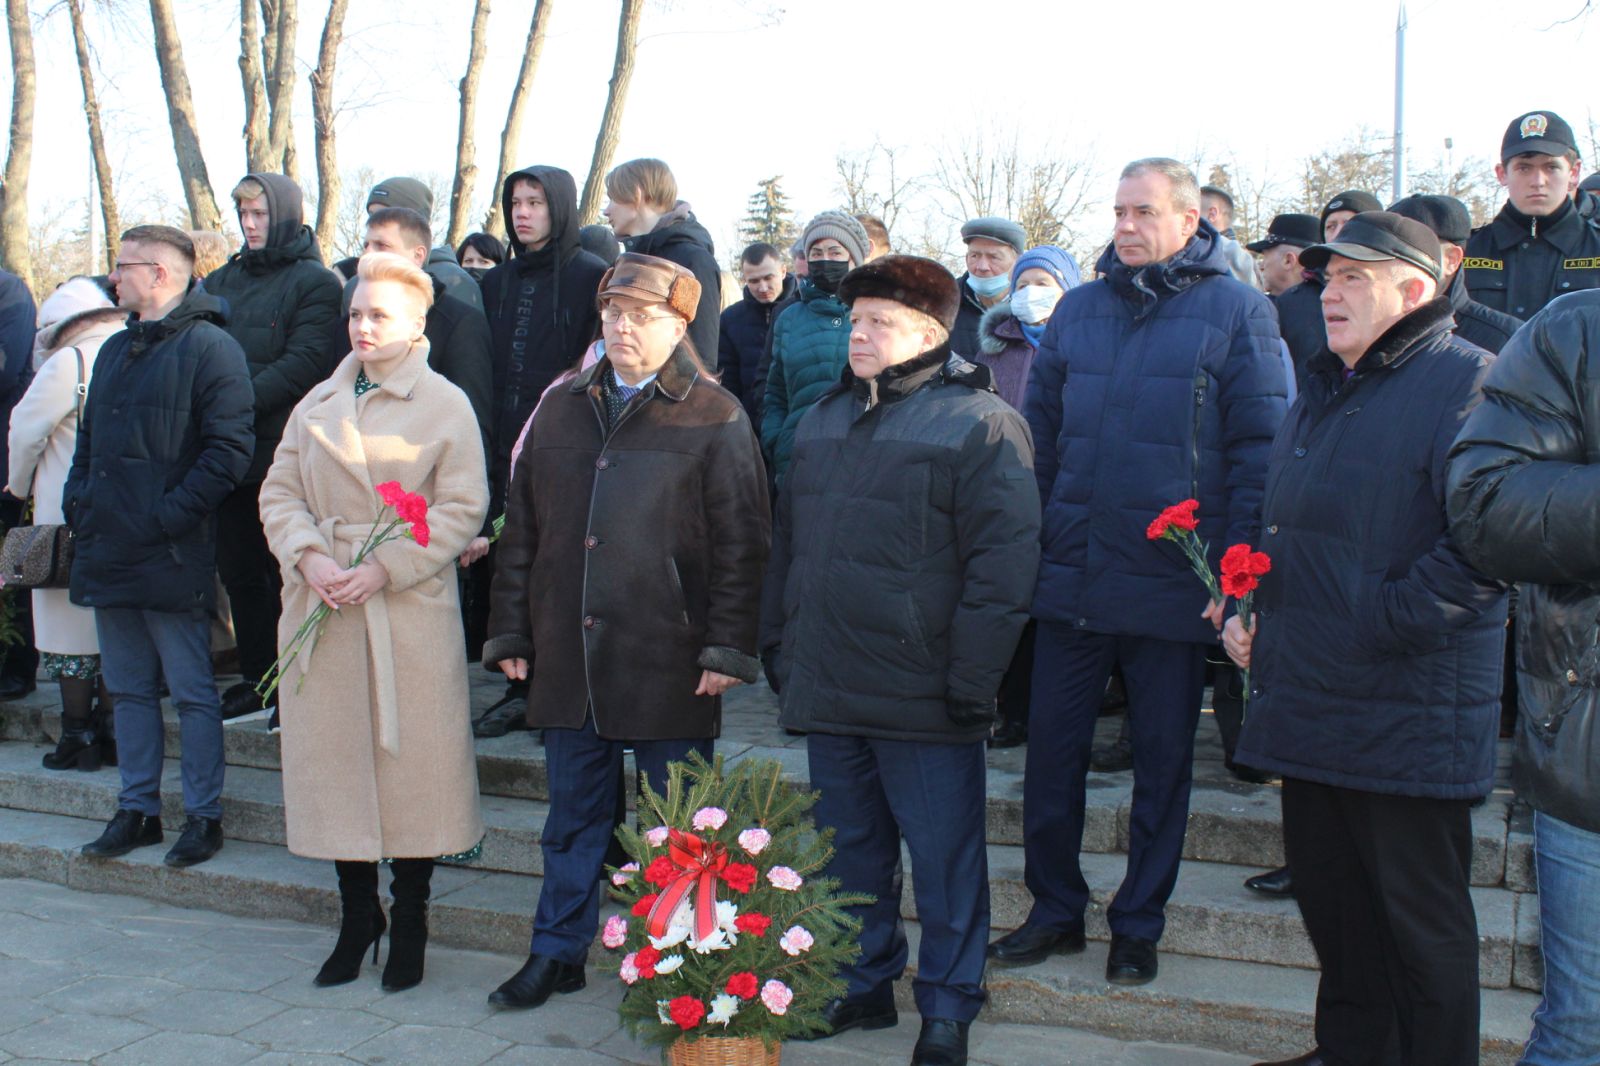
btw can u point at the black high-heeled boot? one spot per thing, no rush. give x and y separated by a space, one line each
408 936
79 745
360 924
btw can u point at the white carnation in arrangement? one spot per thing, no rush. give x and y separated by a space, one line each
668 964
723 1008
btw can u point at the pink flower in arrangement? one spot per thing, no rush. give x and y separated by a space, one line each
776 996
754 841
656 837
785 878
624 873
616 931
712 818
629 972
795 940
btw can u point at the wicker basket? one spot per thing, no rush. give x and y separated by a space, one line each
723 1051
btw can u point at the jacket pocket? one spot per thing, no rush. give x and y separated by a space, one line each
679 597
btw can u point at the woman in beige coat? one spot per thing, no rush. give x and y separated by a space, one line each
73 321
378 761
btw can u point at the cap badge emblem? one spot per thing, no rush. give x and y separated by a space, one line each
1534 125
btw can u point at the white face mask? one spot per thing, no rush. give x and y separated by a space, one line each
1034 303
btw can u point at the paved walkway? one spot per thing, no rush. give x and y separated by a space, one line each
120 980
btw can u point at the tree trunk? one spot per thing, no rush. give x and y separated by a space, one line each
519 100
605 145
97 140
466 148
280 88
14 253
322 109
203 213
255 90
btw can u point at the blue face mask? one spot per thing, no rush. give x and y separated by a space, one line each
989 288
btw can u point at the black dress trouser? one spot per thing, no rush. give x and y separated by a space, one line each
249 572
1382 886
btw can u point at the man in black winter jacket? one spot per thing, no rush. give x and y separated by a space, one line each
902 566
281 303
165 439
1448 218
1300 308
1375 656
1525 507
742 339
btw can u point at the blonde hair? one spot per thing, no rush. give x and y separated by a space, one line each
647 181
248 189
387 266
210 250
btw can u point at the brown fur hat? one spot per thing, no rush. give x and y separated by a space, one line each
920 284
649 278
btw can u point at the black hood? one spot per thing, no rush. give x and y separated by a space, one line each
561 193
678 226
285 208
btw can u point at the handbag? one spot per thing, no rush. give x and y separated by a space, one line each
40 557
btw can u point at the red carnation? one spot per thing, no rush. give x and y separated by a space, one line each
411 508
1158 526
642 908
1238 583
1182 514
686 1011
391 493
743 985
753 923
645 959
1260 563
1236 558
661 872
420 534
740 876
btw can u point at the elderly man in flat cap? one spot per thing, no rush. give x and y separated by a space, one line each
902 567
1375 660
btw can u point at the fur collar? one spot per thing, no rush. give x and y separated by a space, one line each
673 380
1396 344
998 329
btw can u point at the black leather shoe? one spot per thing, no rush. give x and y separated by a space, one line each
1272 883
1132 960
241 703
201 839
942 1043
505 715
874 1011
126 830
1035 943
539 977
1114 758
1310 1058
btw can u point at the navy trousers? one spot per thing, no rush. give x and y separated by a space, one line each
876 792
1165 681
583 769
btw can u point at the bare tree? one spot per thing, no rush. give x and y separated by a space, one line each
323 111
350 226
519 100
97 140
1047 193
1362 161
255 89
466 179
605 144
203 213
281 31
14 250
874 182
1472 182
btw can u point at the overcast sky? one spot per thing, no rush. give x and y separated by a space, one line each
729 92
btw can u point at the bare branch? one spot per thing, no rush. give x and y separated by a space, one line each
466 175
518 107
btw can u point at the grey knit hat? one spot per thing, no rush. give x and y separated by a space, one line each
402 192
842 227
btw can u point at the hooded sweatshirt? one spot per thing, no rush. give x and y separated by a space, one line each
280 304
680 238
542 315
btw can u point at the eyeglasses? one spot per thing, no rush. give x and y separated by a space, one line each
119 265
612 315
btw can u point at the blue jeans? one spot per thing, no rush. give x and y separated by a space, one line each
583 769
876 792
136 649
1566 1026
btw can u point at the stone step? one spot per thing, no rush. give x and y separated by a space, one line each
1210 915
1248 1007
1229 821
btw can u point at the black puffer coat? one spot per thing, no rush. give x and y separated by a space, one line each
1378 659
904 555
632 557
542 316
281 304
1525 507
165 437
742 341
681 238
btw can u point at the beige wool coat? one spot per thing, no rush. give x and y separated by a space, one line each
377 745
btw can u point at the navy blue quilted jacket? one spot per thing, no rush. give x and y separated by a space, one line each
1150 386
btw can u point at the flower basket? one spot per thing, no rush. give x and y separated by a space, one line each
723 1051
732 940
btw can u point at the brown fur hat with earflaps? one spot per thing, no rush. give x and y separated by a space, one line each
920 284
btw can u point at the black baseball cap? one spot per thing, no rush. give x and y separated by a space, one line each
1349 200
1591 183
1373 236
1544 132
1302 231
1445 215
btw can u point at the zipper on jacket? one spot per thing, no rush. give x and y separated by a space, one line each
1201 384
677 586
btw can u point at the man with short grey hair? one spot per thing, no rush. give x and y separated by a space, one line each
1216 205
1175 392
993 245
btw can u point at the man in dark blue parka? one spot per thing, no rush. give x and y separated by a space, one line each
1157 383
1375 656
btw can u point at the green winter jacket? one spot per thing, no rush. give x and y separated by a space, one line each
810 349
